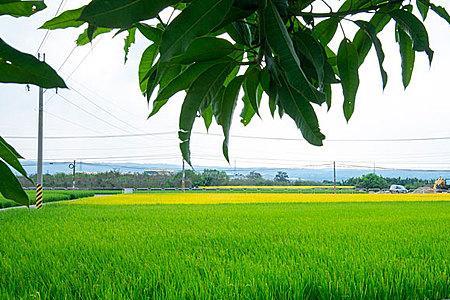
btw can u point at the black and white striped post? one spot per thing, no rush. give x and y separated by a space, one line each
39 196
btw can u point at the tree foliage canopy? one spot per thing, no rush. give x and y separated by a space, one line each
213 49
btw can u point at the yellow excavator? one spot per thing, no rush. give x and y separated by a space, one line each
440 185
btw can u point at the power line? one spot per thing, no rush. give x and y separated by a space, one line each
47 33
71 122
363 167
84 58
105 100
392 140
170 156
67 58
104 110
246 137
91 114
94 136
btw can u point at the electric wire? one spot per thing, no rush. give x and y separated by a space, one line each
90 114
70 122
47 33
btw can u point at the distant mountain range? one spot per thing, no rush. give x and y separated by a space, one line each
268 173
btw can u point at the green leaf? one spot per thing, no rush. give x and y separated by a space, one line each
152 82
329 73
204 89
407 54
270 87
154 34
19 67
301 112
325 30
235 14
10 156
240 33
207 115
247 112
67 19
328 93
198 19
129 40
423 6
179 83
204 49
168 74
282 46
145 65
10 187
347 62
441 12
122 14
16 154
83 38
415 29
18 8
312 50
272 106
371 32
362 41
226 110
251 83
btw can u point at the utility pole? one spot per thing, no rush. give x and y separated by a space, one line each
334 176
183 178
374 168
39 180
73 166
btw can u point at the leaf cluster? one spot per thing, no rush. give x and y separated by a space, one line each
221 51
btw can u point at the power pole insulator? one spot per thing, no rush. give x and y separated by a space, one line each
73 166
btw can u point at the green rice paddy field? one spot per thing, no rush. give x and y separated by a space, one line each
396 250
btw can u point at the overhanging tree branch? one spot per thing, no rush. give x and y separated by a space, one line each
366 9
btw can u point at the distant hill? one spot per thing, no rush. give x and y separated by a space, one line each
305 174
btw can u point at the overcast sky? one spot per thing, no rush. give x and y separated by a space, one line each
423 110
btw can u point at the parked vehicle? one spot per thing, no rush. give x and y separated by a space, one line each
395 188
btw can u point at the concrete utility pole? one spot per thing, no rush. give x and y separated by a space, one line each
39 180
73 166
334 176
183 178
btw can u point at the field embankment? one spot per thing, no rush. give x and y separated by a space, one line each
55 195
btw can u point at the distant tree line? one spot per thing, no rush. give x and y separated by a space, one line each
165 179
208 177
374 181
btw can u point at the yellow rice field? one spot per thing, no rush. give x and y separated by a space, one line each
276 187
223 198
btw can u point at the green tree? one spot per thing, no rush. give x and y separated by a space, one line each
211 177
253 175
372 181
281 177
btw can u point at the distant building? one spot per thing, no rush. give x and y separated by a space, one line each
158 173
